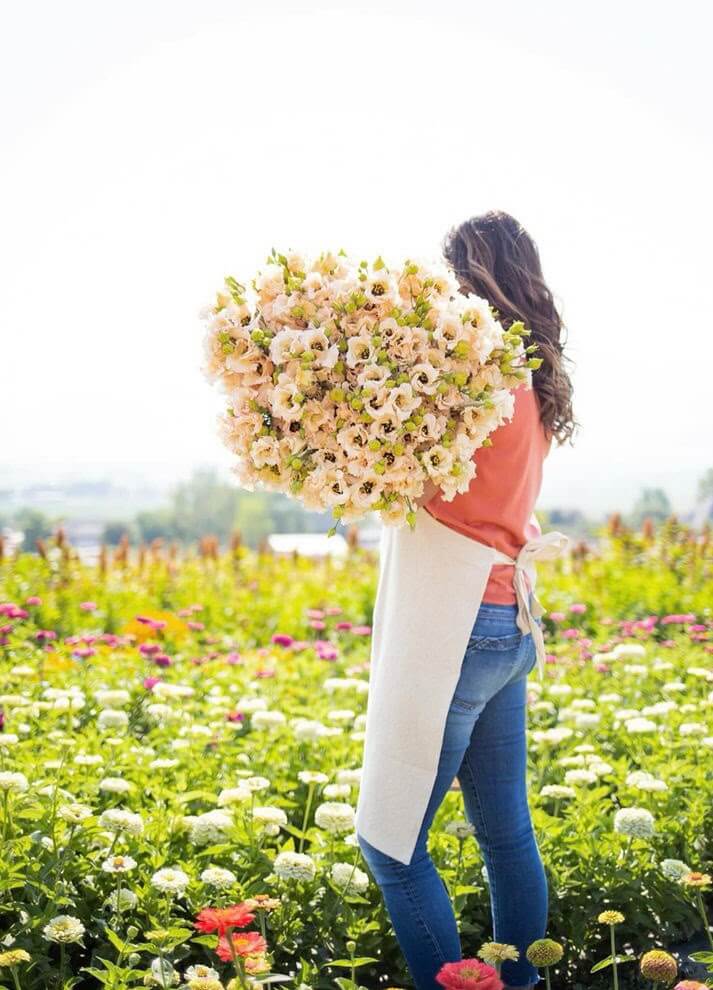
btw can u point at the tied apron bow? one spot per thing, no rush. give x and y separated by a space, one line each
543 547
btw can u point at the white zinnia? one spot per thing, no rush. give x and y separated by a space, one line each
64 928
295 866
170 880
635 822
335 817
349 879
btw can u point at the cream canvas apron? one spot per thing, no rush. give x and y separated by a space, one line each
431 583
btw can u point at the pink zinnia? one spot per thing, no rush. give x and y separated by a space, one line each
361 630
318 624
343 626
196 626
468 974
33 600
315 613
88 606
333 610
578 608
690 985
282 639
150 682
556 616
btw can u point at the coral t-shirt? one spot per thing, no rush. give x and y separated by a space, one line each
498 507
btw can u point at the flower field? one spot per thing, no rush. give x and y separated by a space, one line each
183 733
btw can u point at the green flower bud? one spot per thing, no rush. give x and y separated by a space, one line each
544 952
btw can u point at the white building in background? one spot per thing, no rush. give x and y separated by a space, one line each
308 544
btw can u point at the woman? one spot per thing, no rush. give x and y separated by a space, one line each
456 633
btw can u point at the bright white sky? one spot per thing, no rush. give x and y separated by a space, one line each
151 147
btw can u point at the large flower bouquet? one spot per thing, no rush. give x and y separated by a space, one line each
349 384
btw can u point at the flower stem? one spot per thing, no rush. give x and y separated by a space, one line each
15 979
547 978
704 916
613 958
236 962
308 806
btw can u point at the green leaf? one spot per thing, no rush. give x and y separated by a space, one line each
603 963
348 963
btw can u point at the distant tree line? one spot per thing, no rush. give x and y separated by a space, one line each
205 504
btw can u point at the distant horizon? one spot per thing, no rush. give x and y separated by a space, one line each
561 489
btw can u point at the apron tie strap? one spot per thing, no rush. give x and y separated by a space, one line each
546 546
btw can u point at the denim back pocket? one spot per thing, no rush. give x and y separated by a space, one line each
510 641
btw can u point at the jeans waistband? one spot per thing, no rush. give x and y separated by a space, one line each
496 609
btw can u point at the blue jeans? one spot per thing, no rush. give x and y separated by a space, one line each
484 746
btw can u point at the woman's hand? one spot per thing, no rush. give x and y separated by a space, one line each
429 491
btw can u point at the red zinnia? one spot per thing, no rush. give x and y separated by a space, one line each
468 974
244 944
221 919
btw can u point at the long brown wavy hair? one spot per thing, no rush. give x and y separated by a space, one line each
494 257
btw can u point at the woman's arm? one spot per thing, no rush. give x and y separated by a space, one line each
429 491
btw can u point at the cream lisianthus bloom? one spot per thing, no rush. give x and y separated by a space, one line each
270 282
378 402
424 378
404 401
353 438
317 342
410 344
438 462
285 400
386 427
285 345
395 514
366 492
449 330
431 427
244 356
265 452
334 487
373 374
360 350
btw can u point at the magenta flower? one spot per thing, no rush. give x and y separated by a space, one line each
670 619
88 606
162 660
233 658
148 649
327 653
146 620
282 639
343 626
196 626
556 616
570 633
235 716
33 600
315 613
84 653
333 610
150 682
361 630
318 624
43 635
578 608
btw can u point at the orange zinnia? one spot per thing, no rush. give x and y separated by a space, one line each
221 919
244 944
